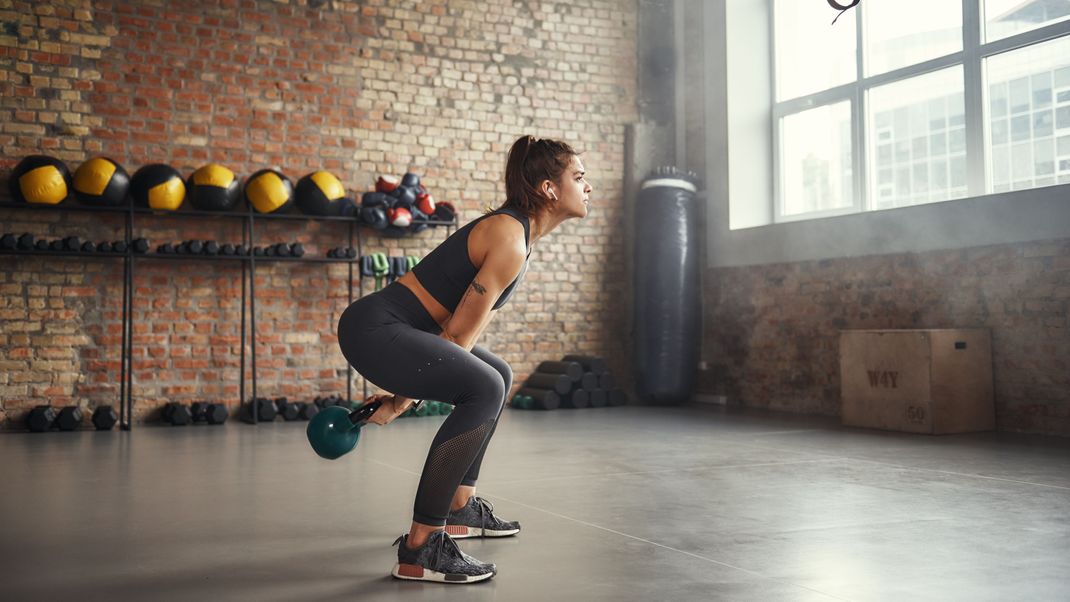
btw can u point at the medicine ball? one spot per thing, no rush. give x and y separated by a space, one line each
102 182
158 186
40 179
268 191
317 191
213 188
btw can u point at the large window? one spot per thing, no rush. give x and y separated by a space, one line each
917 101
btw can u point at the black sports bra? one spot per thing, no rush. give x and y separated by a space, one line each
447 270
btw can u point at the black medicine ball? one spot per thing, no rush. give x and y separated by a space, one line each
268 191
158 186
317 191
102 182
213 188
40 179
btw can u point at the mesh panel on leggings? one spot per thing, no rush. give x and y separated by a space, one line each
446 465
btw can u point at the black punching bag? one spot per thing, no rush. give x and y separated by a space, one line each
668 321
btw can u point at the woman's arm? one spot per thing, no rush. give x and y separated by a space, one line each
501 265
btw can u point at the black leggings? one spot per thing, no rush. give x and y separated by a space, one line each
391 340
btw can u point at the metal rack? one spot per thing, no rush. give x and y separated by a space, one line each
248 269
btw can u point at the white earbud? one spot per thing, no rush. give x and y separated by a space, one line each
552 194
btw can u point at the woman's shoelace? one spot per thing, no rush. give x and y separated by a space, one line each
445 543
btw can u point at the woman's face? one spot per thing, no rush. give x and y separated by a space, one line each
573 192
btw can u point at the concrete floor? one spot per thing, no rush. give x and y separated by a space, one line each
633 503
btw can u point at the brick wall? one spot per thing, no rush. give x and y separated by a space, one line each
357 88
772 332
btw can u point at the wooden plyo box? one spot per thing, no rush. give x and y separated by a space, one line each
918 381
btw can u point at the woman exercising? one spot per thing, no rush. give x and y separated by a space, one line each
417 337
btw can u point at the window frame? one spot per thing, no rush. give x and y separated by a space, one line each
971 58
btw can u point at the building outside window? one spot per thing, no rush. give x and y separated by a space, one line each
918 101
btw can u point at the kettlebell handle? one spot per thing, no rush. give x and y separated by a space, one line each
364 412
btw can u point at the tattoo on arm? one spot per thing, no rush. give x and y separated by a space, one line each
478 288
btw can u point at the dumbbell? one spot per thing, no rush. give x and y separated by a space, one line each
40 419
198 411
72 244
88 247
287 410
227 250
212 413
193 247
241 250
23 243
56 245
140 245
104 247
104 418
216 413
166 249
342 253
265 408
308 410
210 247
297 250
258 251
118 246
177 414
69 418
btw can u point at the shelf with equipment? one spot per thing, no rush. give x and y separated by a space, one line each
140 216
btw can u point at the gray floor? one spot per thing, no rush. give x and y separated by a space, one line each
636 503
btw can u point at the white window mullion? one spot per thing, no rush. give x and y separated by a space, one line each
974 88
858 108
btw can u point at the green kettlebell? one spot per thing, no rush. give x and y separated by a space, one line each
334 432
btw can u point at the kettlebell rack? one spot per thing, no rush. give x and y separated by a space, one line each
248 262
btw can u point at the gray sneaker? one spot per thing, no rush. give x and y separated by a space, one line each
439 560
476 519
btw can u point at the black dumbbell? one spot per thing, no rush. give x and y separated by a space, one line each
118 246
88 247
241 250
40 419
297 250
288 411
166 249
8 242
281 249
226 249
72 243
215 413
265 410
104 247
26 242
198 411
104 418
210 247
177 414
140 245
258 251
69 418
308 410
55 245
193 247
41 245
